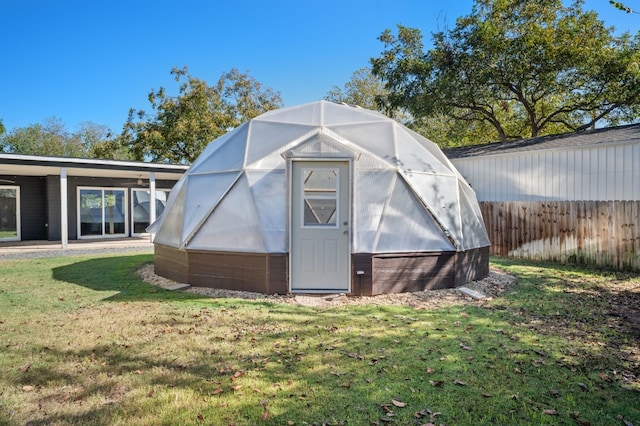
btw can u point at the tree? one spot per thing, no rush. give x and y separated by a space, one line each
47 138
98 142
181 126
525 68
52 138
364 90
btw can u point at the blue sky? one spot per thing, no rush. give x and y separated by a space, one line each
93 60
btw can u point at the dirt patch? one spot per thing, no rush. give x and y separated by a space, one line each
497 282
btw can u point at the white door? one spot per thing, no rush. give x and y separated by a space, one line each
319 251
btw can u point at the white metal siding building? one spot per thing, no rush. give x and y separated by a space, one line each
599 165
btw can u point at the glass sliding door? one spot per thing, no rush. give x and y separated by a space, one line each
101 212
9 213
140 206
114 211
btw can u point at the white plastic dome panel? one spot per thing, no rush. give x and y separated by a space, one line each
415 157
435 150
204 191
267 137
269 162
269 191
440 195
309 114
211 148
336 114
173 194
233 225
475 234
229 155
406 225
170 225
367 161
371 191
378 138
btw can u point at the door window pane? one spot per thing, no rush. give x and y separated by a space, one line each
9 218
320 188
319 212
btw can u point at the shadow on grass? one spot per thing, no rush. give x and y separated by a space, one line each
117 274
592 308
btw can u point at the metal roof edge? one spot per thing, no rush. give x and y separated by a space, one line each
41 160
511 148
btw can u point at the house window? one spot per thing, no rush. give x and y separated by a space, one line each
102 212
140 206
9 213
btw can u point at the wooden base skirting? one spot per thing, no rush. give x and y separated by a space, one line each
371 273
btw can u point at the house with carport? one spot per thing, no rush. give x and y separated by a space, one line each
62 199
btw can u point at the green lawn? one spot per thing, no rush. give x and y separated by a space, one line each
85 341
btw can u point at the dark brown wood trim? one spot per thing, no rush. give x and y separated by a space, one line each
371 274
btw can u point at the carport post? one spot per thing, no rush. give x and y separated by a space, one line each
64 217
152 199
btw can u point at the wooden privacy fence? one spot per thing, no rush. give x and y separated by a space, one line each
604 233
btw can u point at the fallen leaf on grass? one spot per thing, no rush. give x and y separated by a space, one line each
387 409
27 388
430 370
235 387
605 377
236 375
550 412
459 382
436 383
398 403
218 391
537 362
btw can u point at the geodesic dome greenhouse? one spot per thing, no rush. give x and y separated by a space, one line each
324 198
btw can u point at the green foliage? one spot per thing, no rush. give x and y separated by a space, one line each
51 138
364 90
622 6
48 138
525 68
180 127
